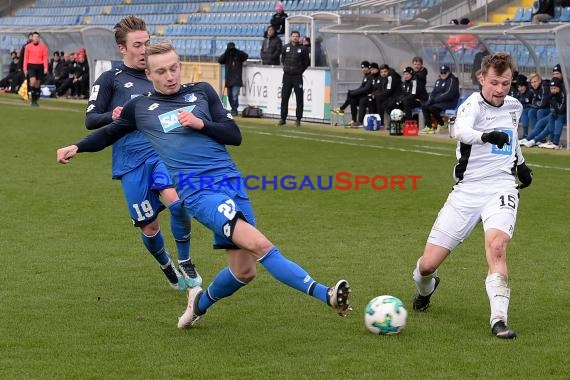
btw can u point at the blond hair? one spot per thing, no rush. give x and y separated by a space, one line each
161 47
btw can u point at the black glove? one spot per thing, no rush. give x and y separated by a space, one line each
497 138
524 173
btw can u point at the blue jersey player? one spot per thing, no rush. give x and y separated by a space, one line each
189 129
135 162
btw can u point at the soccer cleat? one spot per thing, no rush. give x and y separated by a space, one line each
522 142
281 122
175 279
190 316
338 111
298 123
421 303
338 297
190 274
428 130
502 331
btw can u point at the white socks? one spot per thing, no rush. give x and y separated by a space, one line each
424 284
499 296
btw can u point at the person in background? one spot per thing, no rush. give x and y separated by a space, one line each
353 96
35 66
278 19
295 60
233 60
544 13
271 48
15 77
540 106
477 59
524 95
445 95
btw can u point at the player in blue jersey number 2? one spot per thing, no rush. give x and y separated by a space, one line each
192 145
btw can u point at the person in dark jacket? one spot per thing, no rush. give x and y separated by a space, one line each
278 19
410 96
388 89
353 96
271 48
233 59
15 76
295 60
367 103
524 95
544 13
445 95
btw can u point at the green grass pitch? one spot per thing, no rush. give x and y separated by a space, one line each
81 299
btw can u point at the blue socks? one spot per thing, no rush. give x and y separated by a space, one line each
180 226
292 274
224 285
155 245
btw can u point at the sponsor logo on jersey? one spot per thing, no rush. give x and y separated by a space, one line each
129 84
90 108
94 93
190 98
169 120
153 106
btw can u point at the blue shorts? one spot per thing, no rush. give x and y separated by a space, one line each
141 187
219 210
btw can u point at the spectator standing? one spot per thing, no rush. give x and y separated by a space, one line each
544 13
278 19
36 66
271 48
445 95
233 60
295 60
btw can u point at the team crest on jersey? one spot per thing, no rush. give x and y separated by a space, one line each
90 108
507 148
153 106
169 120
129 84
514 118
190 98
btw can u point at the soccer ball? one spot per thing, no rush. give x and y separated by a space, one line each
396 114
385 315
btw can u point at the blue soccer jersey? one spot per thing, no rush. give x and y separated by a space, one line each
194 159
112 89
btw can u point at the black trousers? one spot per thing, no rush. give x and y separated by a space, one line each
353 102
429 111
292 83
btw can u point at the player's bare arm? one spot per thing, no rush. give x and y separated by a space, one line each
64 155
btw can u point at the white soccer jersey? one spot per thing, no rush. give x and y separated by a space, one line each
484 162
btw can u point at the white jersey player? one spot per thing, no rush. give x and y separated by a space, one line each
488 160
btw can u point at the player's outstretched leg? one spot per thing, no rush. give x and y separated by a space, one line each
182 232
293 275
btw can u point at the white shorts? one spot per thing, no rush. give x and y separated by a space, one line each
466 206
